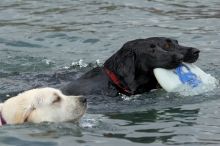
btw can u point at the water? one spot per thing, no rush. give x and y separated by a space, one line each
45 43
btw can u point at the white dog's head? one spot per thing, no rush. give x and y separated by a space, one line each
43 104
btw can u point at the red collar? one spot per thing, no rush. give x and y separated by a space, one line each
118 83
2 120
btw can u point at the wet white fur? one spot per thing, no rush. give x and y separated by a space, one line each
43 104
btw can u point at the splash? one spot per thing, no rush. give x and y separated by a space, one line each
47 61
90 121
82 64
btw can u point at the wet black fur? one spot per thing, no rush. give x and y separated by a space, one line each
133 64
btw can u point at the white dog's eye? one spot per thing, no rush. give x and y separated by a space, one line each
57 98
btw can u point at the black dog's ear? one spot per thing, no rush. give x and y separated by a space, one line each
122 64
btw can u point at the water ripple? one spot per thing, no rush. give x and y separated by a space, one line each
45 43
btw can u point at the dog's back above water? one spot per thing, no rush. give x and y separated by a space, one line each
42 104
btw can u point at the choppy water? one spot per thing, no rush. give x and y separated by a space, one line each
43 42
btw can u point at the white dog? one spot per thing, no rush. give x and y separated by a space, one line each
43 104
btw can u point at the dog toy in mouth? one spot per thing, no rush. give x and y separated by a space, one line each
186 74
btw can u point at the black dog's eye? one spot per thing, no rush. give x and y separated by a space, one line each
152 45
167 46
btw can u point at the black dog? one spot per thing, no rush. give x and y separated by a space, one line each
130 70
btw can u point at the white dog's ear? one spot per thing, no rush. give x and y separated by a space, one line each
22 115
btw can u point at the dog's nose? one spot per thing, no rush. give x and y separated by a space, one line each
82 99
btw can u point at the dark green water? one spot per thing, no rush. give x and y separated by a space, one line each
45 43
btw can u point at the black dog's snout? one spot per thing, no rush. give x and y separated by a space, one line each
82 99
178 57
194 51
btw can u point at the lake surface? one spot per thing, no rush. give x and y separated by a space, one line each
45 43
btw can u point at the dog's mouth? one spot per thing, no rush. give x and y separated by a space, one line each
174 64
191 56
188 58
191 59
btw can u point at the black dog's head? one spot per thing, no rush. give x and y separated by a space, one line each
135 61
190 54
